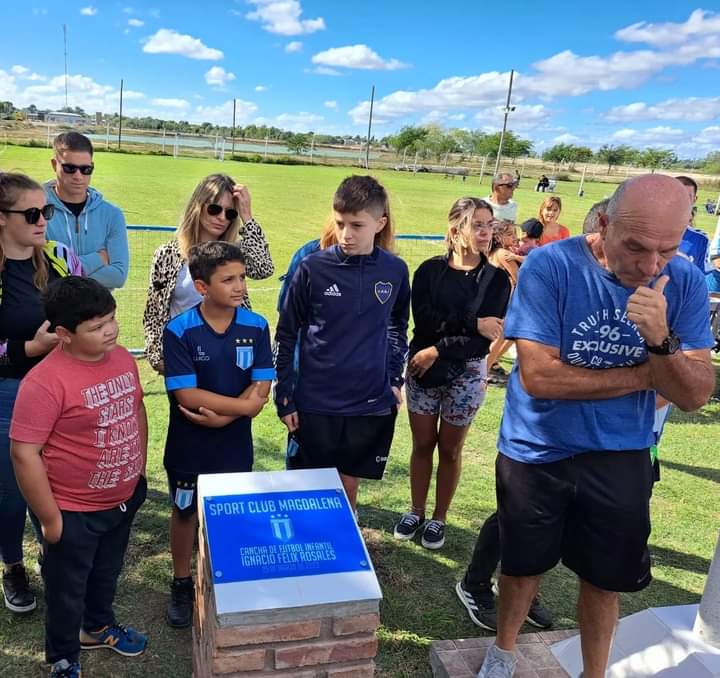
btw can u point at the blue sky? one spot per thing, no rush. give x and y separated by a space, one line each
644 73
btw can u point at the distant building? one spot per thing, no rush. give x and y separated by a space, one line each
64 118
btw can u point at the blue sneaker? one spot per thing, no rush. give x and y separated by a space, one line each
64 669
123 639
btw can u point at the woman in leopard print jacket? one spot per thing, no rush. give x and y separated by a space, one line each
219 209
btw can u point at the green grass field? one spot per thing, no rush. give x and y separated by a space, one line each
419 602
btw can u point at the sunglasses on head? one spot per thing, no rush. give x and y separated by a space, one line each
69 168
32 214
230 214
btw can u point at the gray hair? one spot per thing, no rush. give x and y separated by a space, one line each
591 223
498 178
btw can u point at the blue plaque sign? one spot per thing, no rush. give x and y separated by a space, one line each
274 535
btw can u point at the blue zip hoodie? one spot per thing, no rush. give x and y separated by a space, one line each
351 313
100 226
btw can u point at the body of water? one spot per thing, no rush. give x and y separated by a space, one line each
240 146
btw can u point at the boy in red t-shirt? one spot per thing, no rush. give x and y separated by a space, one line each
79 442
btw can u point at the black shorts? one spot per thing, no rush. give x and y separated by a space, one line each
183 492
591 510
355 446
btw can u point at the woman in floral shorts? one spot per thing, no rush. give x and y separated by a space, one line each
458 302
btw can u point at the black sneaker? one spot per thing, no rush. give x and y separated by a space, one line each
539 615
433 535
408 525
480 606
180 608
65 669
16 590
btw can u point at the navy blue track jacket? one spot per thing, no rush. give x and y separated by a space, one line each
351 313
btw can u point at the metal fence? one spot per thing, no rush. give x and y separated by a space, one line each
144 240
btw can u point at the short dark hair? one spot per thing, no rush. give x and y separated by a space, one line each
688 181
533 228
73 300
72 141
205 258
361 192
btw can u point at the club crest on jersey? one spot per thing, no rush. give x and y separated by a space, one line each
383 291
244 357
183 498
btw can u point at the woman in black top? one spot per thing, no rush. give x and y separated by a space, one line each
458 302
27 265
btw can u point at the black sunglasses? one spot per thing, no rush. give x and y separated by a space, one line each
69 168
512 185
32 214
230 214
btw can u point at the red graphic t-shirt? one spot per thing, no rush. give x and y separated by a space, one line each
85 414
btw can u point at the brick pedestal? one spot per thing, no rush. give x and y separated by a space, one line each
319 641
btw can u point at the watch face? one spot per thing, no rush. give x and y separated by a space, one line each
673 343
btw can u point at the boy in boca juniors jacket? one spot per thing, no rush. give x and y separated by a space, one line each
350 305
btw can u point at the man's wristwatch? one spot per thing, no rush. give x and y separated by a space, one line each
669 346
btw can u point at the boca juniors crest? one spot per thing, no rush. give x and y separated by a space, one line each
383 291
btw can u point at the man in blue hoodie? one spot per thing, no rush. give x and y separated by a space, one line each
93 228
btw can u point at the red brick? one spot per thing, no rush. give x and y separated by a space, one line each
267 633
231 661
309 654
363 623
365 670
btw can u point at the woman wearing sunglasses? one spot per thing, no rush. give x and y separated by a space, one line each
219 209
27 264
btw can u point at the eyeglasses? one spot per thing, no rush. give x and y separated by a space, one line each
69 168
32 214
483 225
230 214
511 185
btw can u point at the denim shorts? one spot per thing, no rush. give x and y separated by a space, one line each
456 402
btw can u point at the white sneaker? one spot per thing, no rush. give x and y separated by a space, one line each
498 664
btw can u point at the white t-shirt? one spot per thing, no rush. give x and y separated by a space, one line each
185 295
506 212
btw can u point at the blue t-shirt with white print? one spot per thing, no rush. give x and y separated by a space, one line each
196 356
565 299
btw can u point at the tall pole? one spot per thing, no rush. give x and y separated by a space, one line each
482 169
707 621
367 149
233 131
582 182
120 125
508 110
66 69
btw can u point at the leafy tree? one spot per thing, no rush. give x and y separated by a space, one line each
654 158
612 155
298 143
408 138
567 153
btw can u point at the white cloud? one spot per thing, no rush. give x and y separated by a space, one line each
260 88
294 46
136 23
217 76
223 114
699 24
169 41
295 122
179 104
653 136
323 70
283 17
356 56
331 104
692 109
19 70
88 11
23 73
457 116
83 91
709 135
566 139
524 117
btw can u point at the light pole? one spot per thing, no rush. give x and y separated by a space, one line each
508 109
